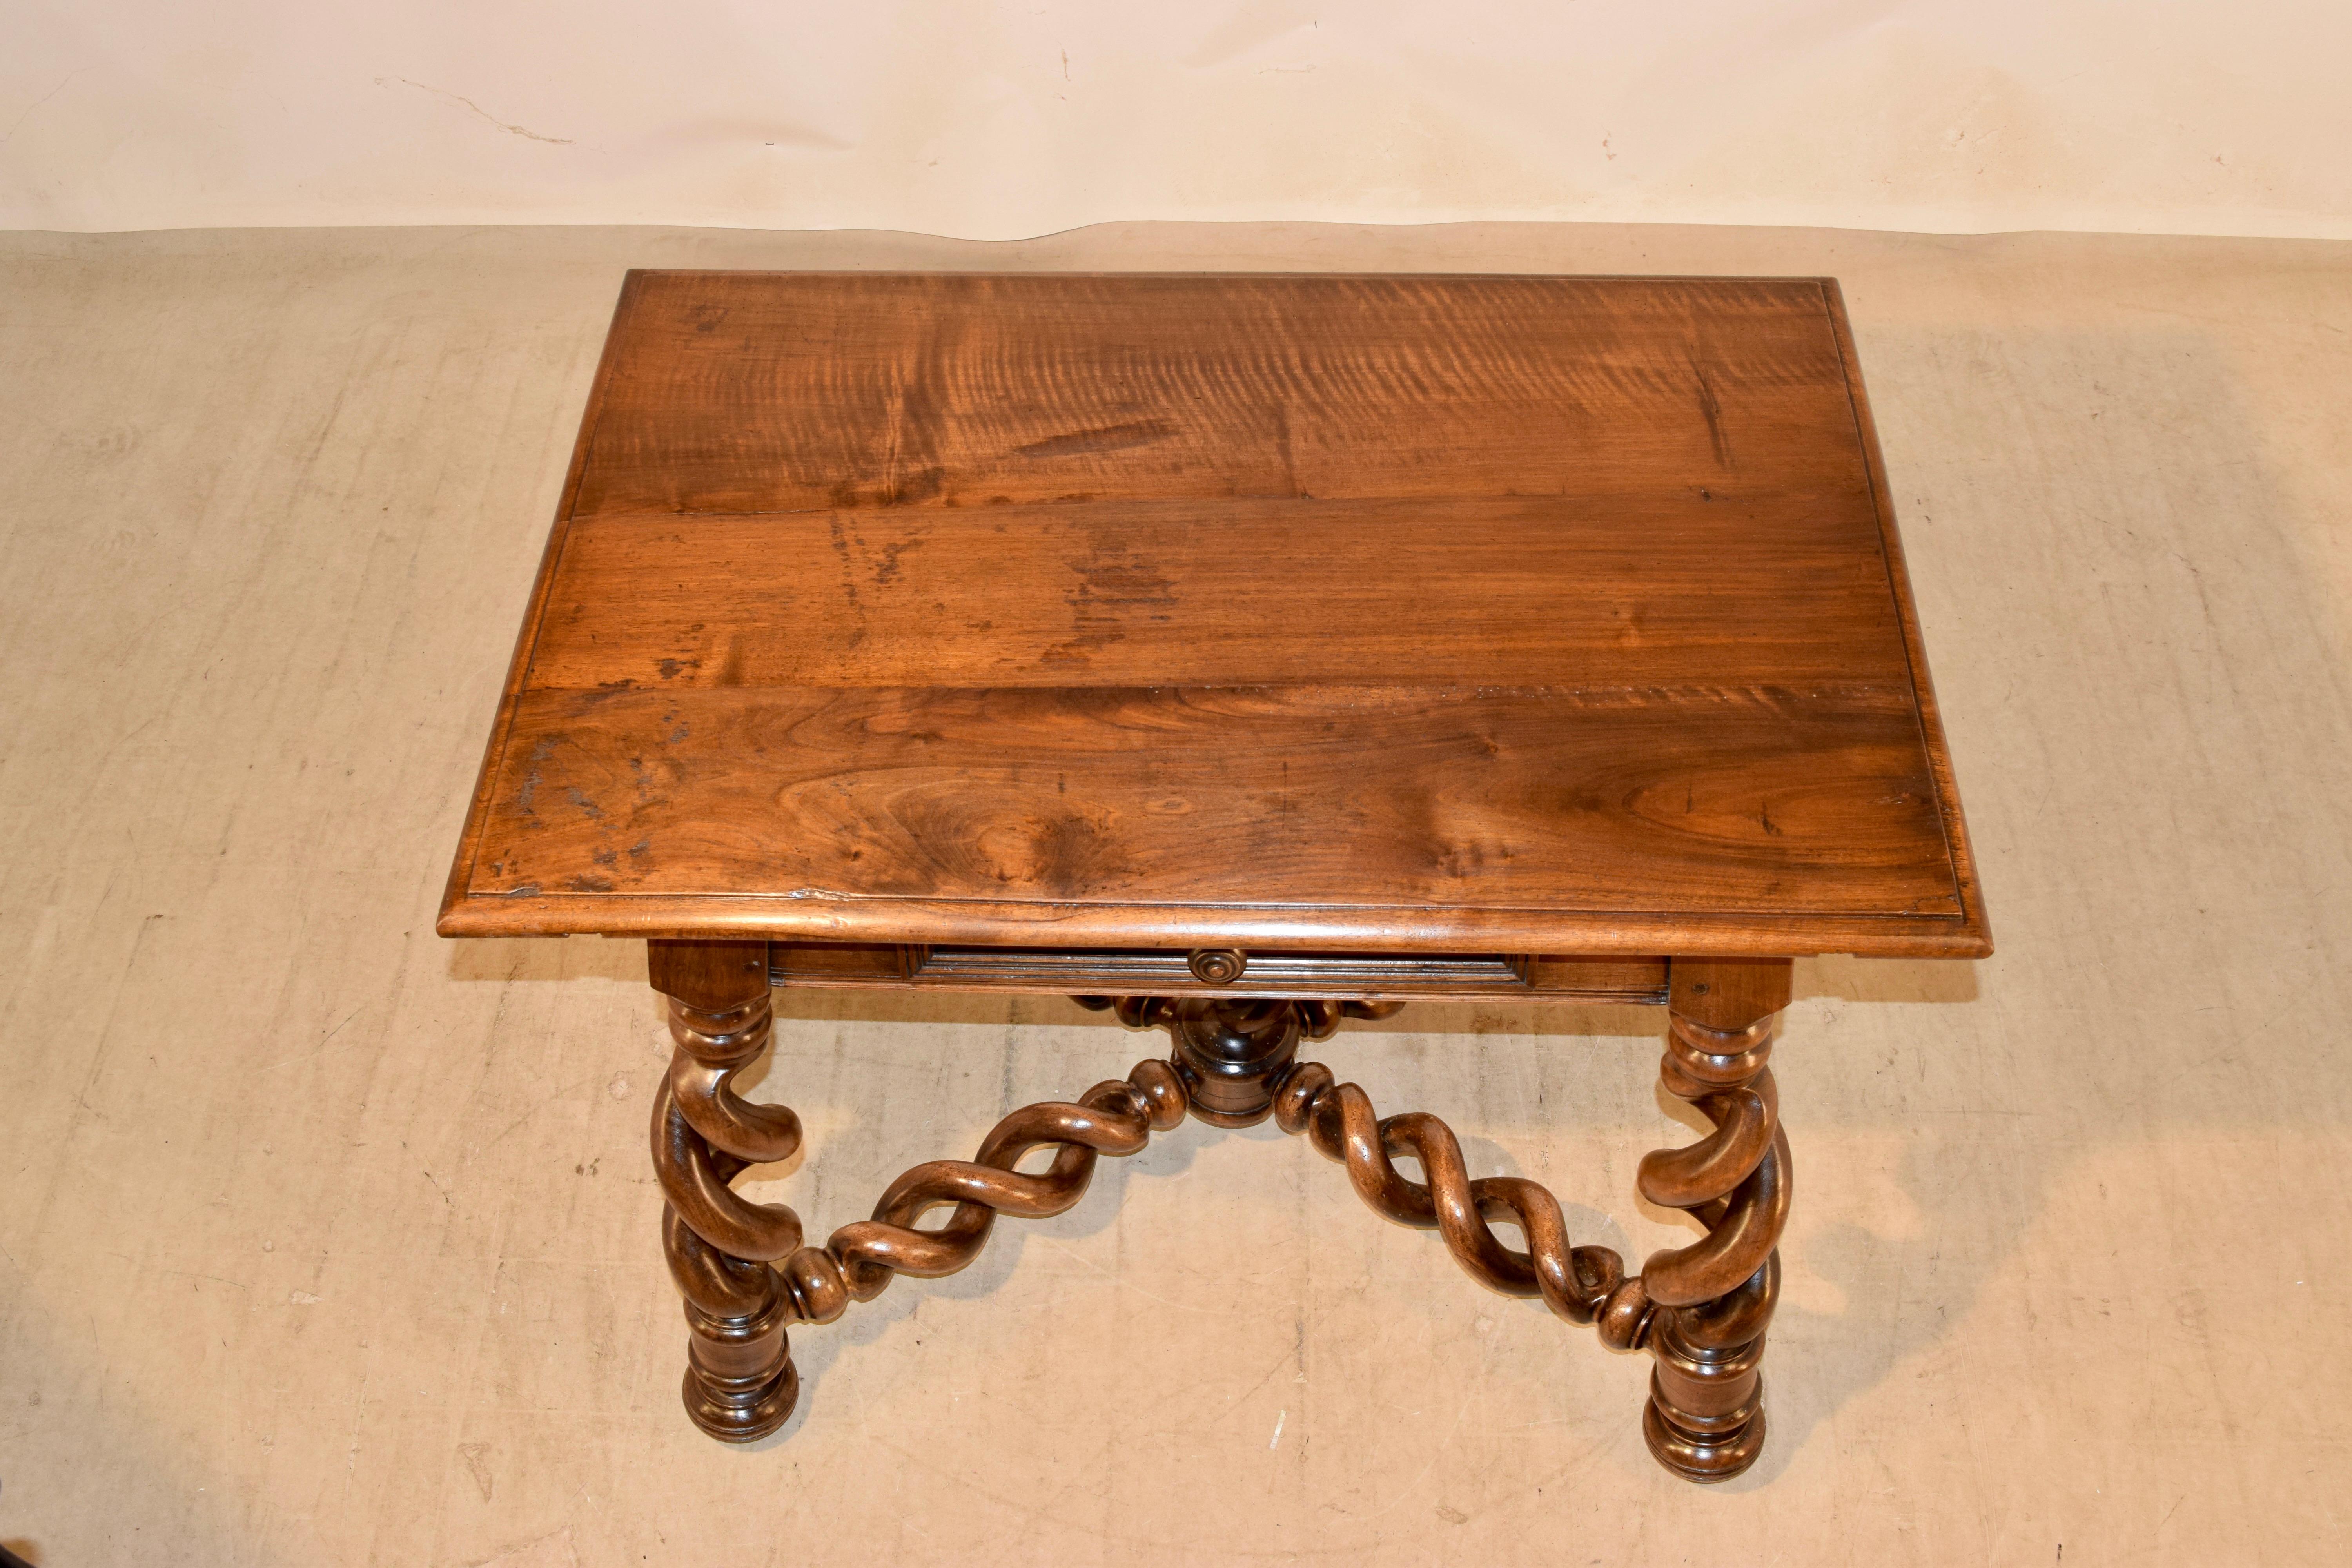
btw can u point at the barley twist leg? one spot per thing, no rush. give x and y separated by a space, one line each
740 1265
740 1380
1712 1300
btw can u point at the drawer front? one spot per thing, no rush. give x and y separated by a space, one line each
1144 972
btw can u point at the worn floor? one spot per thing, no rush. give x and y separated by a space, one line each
323 1241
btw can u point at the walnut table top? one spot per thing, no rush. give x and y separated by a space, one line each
1345 613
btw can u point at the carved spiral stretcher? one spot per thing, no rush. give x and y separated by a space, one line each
1701 1309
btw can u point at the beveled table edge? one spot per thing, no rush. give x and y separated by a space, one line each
821 917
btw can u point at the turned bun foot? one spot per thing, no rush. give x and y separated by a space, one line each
1719 1449
741 1383
742 1416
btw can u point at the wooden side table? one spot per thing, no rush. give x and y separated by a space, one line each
1238 654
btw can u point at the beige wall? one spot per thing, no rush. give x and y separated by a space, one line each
1000 118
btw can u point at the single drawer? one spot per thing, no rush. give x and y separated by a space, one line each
1147 971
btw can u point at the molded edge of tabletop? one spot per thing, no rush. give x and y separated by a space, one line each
1923 687
816 917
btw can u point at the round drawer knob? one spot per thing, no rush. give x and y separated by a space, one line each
1217 965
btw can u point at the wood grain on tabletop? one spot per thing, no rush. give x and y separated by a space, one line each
945 607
